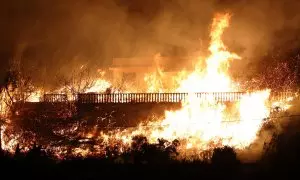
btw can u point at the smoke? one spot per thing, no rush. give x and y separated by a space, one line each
284 123
263 28
51 38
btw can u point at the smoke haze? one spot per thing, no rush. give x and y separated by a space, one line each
54 37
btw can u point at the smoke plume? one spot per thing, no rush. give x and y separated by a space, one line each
54 37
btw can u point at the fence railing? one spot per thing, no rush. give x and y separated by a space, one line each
55 98
157 97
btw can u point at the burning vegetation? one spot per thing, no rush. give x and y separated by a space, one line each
202 122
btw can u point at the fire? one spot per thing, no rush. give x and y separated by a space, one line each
214 78
99 86
201 123
35 96
206 123
154 80
3 105
283 104
8 143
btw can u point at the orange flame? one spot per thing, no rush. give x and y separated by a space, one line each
203 123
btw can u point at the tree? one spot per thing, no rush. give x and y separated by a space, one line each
79 81
16 89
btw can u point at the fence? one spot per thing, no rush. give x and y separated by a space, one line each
55 98
157 97
154 97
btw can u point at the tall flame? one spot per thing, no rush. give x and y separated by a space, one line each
201 123
214 78
206 123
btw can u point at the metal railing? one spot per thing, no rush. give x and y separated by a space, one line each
158 97
55 98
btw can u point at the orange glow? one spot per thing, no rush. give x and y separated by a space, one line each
205 123
99 86
201 124
35 96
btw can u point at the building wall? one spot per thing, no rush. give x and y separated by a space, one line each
132 71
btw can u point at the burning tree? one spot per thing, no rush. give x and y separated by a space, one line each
16 89
82 81
77 82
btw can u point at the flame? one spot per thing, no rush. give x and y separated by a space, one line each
283 104
35 96
3 105
8 140
214 78
99 86
154 81
201 123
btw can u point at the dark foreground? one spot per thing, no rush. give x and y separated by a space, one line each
281 159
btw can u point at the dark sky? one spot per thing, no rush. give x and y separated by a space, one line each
55 36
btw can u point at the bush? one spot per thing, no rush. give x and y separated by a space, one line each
225 158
